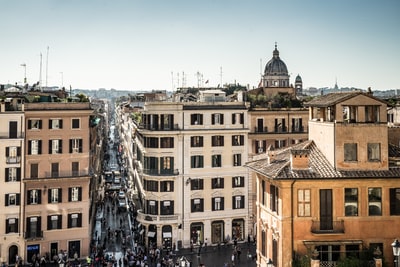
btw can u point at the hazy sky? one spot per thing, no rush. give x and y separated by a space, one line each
144 45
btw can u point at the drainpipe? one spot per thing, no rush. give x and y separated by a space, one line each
292 218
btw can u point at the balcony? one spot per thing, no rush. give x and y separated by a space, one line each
156 218
63 174
6 135
156 172
13 160
260 129
33 235
157 127
327 227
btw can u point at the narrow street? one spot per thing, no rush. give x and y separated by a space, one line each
116 239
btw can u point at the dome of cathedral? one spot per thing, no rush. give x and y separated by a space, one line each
275 66
298 78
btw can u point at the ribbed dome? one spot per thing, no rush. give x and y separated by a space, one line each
275 66
298 78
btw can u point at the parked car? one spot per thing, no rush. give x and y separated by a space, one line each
121 194
122 205
108 177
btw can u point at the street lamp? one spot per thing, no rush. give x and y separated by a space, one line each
396 252
270 263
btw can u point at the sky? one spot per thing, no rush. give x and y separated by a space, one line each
165 44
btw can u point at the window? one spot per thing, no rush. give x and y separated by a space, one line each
150 165
197 205
12 225
34 227
13 154
237 118
152 207
55 146
75 145
151 142
350 114
34 147
74 194
55 169
274 197
75 168
217 140
237 140
13 129
167 165
12 199
261 146
167 142
350 152
394 201
374 152
280 143
280 125
374 201
35 124
34 170
196 119
217 118
55 124
13 174
54 195
76 123
196 184
167 207
217 203
151 185
351 202
238 202
167 121
54 222
216 161
196 161
371 113
34 197
304 202
167 186
74 220
196 141
217 183
237 181
237 160
297 125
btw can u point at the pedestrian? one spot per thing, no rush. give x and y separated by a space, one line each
233 258
205 245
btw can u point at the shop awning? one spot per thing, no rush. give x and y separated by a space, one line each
151 234
167 235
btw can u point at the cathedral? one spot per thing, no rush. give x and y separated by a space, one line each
275 79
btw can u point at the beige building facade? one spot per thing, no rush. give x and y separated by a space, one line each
188 159
56 184
335 196
12 132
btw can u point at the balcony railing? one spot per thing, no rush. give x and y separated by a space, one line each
6 135
149 217
161 172
65 174
33 235
327 227
155 127
12 160
261 129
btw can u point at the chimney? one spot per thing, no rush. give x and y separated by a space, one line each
270 156
299 159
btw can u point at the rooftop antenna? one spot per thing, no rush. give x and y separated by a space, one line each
24 65
40 73
183 79
172 80
220 76
47 65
